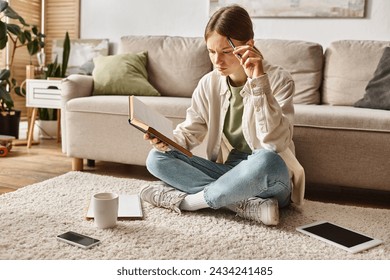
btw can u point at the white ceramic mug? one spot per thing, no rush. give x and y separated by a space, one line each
105 209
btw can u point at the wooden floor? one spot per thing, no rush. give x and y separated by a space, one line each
23 167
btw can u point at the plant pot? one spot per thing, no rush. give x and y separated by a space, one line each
9 123
47 129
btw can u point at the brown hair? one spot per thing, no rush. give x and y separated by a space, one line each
231 21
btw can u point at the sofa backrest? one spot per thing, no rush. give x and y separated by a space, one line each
349 66
175 64
304 61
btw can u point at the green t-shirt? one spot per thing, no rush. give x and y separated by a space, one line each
233 121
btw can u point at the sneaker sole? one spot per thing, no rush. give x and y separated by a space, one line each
275 210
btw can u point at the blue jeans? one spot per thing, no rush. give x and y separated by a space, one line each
262 174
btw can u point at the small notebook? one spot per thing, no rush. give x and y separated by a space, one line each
130 207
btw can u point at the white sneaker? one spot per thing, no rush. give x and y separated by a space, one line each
161 195
260 210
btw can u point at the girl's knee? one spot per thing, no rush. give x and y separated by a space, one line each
271 161
150 158
153 160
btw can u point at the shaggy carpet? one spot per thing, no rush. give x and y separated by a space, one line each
31 217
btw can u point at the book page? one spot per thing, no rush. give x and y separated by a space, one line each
148 120
151 117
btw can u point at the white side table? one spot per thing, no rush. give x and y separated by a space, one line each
42 94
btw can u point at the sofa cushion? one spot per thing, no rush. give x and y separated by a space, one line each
349 66
175 64
304 61
122 74
342 117
171 107
378 89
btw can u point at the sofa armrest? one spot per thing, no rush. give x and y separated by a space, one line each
74 86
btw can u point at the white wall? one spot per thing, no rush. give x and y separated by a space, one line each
114 18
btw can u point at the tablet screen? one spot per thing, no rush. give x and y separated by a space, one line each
338 234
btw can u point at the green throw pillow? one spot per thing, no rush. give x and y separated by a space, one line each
122 74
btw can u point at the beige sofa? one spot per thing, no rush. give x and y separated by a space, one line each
337 144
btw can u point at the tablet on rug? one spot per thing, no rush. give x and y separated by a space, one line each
338 236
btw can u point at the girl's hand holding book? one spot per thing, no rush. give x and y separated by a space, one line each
157 143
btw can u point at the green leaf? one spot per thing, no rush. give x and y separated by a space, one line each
3 35
58 71
34 30
47 114
5 97
3 43
3 83
9 12
3 6
65 55
14 29
19 91
22 38
3 29
4 74
3 93
28 35
33 47
52 68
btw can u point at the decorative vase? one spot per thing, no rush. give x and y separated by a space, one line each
47 129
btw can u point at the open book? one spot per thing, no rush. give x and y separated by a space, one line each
150 121
129 207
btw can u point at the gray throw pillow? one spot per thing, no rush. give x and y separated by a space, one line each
377 94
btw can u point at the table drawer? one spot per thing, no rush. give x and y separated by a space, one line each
43 94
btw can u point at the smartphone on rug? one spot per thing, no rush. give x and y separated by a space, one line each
78 239
338 236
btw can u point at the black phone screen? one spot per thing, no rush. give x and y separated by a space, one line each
338 234
78 238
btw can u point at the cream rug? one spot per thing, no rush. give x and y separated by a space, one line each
31 217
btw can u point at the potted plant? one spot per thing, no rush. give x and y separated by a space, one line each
20 35
55 69
48 117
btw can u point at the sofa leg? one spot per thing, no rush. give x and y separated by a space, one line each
90 162
77 164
